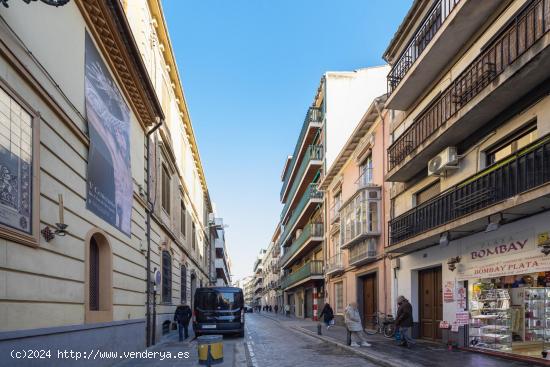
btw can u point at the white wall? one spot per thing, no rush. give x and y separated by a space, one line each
348 96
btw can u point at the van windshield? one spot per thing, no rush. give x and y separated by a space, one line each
219 300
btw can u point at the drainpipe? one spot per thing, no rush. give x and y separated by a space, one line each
148 233
379 112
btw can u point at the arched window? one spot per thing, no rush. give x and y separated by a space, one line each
166 277
99 278
183 283
93 289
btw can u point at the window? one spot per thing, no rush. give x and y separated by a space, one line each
365 172
360 216
166 277
339 297
428 192
183 218
512 145
183 283
94 275
17 167
165 189
194 237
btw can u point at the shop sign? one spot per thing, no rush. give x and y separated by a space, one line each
462 318
444 325
449 291
503 256
454 327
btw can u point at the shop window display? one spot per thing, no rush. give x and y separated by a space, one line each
511 314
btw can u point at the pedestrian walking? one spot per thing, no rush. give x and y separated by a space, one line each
328 315
270 308
276 308
182 316
354 326
404 321
287 310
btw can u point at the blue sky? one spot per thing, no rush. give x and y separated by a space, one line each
250 69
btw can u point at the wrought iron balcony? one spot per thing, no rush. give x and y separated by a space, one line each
335 264
420 41
314 117
363 252
514 40
515 175
311 232
312 158
312 194
311 269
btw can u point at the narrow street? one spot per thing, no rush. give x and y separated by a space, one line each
271 344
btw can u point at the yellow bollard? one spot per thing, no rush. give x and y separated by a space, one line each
210 349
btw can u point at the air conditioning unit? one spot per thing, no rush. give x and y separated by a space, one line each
447 159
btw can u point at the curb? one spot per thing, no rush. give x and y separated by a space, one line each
368 356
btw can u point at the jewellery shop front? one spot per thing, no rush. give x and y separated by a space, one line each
503 291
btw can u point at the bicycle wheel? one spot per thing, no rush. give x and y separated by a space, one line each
372 331
389 331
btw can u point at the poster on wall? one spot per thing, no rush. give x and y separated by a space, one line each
109 184
449 291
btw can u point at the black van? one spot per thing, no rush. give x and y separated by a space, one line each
218 310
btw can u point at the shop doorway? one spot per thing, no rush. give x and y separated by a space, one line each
431 303
308 304
370 300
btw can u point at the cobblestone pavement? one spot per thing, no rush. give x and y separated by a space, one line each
270 344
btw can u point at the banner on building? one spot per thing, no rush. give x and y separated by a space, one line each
109 184
503 255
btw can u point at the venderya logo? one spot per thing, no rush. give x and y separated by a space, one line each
499 249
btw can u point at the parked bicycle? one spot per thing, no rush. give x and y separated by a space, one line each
383 324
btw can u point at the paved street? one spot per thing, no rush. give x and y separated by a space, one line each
271 344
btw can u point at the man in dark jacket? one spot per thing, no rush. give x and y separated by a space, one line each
182 316
328 314
404 320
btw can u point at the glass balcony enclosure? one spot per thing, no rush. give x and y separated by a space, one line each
360 216
362 252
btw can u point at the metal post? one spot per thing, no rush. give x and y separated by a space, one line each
154 315
148 235
348 339
319 332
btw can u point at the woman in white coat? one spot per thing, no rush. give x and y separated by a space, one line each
354 326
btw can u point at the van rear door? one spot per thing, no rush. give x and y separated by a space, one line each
218 306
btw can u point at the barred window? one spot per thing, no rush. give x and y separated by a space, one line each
183 281
166 277
16 165
194 237
339 297
183 217
165 189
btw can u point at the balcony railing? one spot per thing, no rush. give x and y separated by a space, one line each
310 269
334 264
310 230
420 41
314 114
363 252
313 153
526 29
311 193
365 180
517 174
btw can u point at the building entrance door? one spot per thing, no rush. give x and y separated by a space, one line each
370 300
430 303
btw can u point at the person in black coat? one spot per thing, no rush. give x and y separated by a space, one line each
182 316
404 320
328 315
